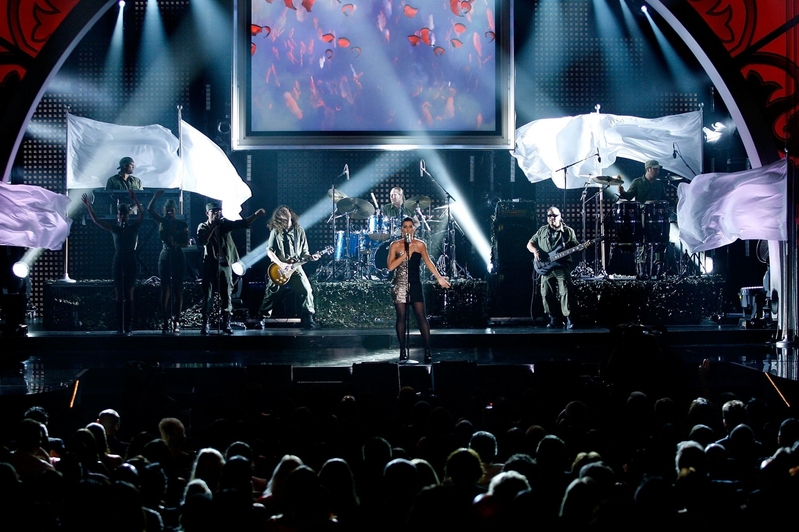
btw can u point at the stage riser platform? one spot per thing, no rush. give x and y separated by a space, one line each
89 306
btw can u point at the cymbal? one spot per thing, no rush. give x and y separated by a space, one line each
422 202
608 179
336 195
357 208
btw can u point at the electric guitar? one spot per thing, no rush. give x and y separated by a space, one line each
543 266
281 276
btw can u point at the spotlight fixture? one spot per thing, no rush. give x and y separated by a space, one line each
644 9
714 132
20 269
239 268
121 4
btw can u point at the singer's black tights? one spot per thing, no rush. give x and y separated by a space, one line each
421 319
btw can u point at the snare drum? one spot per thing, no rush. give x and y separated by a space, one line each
627 215
379 228
656 221
347 246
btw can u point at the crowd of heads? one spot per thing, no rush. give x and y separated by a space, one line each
603 460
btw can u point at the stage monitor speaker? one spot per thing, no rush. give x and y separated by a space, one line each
322 375
509 246
454 380
512 284
417 376
511 293
276 379
506 380
378 378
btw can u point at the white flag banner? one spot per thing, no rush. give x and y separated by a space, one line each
95 148
716 209
208 171
544 147
33 217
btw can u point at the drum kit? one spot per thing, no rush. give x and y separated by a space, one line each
637 225
361 247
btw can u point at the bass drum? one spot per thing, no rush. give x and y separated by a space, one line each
627 215
380 255
657 223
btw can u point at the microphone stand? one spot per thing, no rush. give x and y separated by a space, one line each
332 219
677 151
408 300
565 177
449 238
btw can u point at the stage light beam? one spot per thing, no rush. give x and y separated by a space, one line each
20 269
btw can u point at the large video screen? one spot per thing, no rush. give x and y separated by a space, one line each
373 74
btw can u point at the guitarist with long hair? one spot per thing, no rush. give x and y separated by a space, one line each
287 245
556 281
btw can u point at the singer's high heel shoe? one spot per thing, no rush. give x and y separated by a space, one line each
403 358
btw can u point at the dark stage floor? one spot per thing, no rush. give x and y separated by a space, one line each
48 361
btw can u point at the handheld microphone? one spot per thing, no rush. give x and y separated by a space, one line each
674 153
347 171
598 157
408 238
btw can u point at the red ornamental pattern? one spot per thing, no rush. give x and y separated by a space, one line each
762 38
25 27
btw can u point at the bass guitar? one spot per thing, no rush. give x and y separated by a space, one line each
545 265
281 276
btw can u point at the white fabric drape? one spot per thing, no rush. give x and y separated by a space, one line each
208 171
544 146
95 148
33 217
716 209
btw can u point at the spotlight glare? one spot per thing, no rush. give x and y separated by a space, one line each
121 4
644 9
20 269
239 268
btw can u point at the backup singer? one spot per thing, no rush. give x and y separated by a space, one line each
405 256
126 237
218 256
174 234
288 244
558 281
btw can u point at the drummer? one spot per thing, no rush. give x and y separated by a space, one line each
396 209
647 188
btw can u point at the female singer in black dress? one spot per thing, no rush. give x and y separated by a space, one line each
174 234
405 256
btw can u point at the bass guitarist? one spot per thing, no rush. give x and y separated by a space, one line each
557 281
288 244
